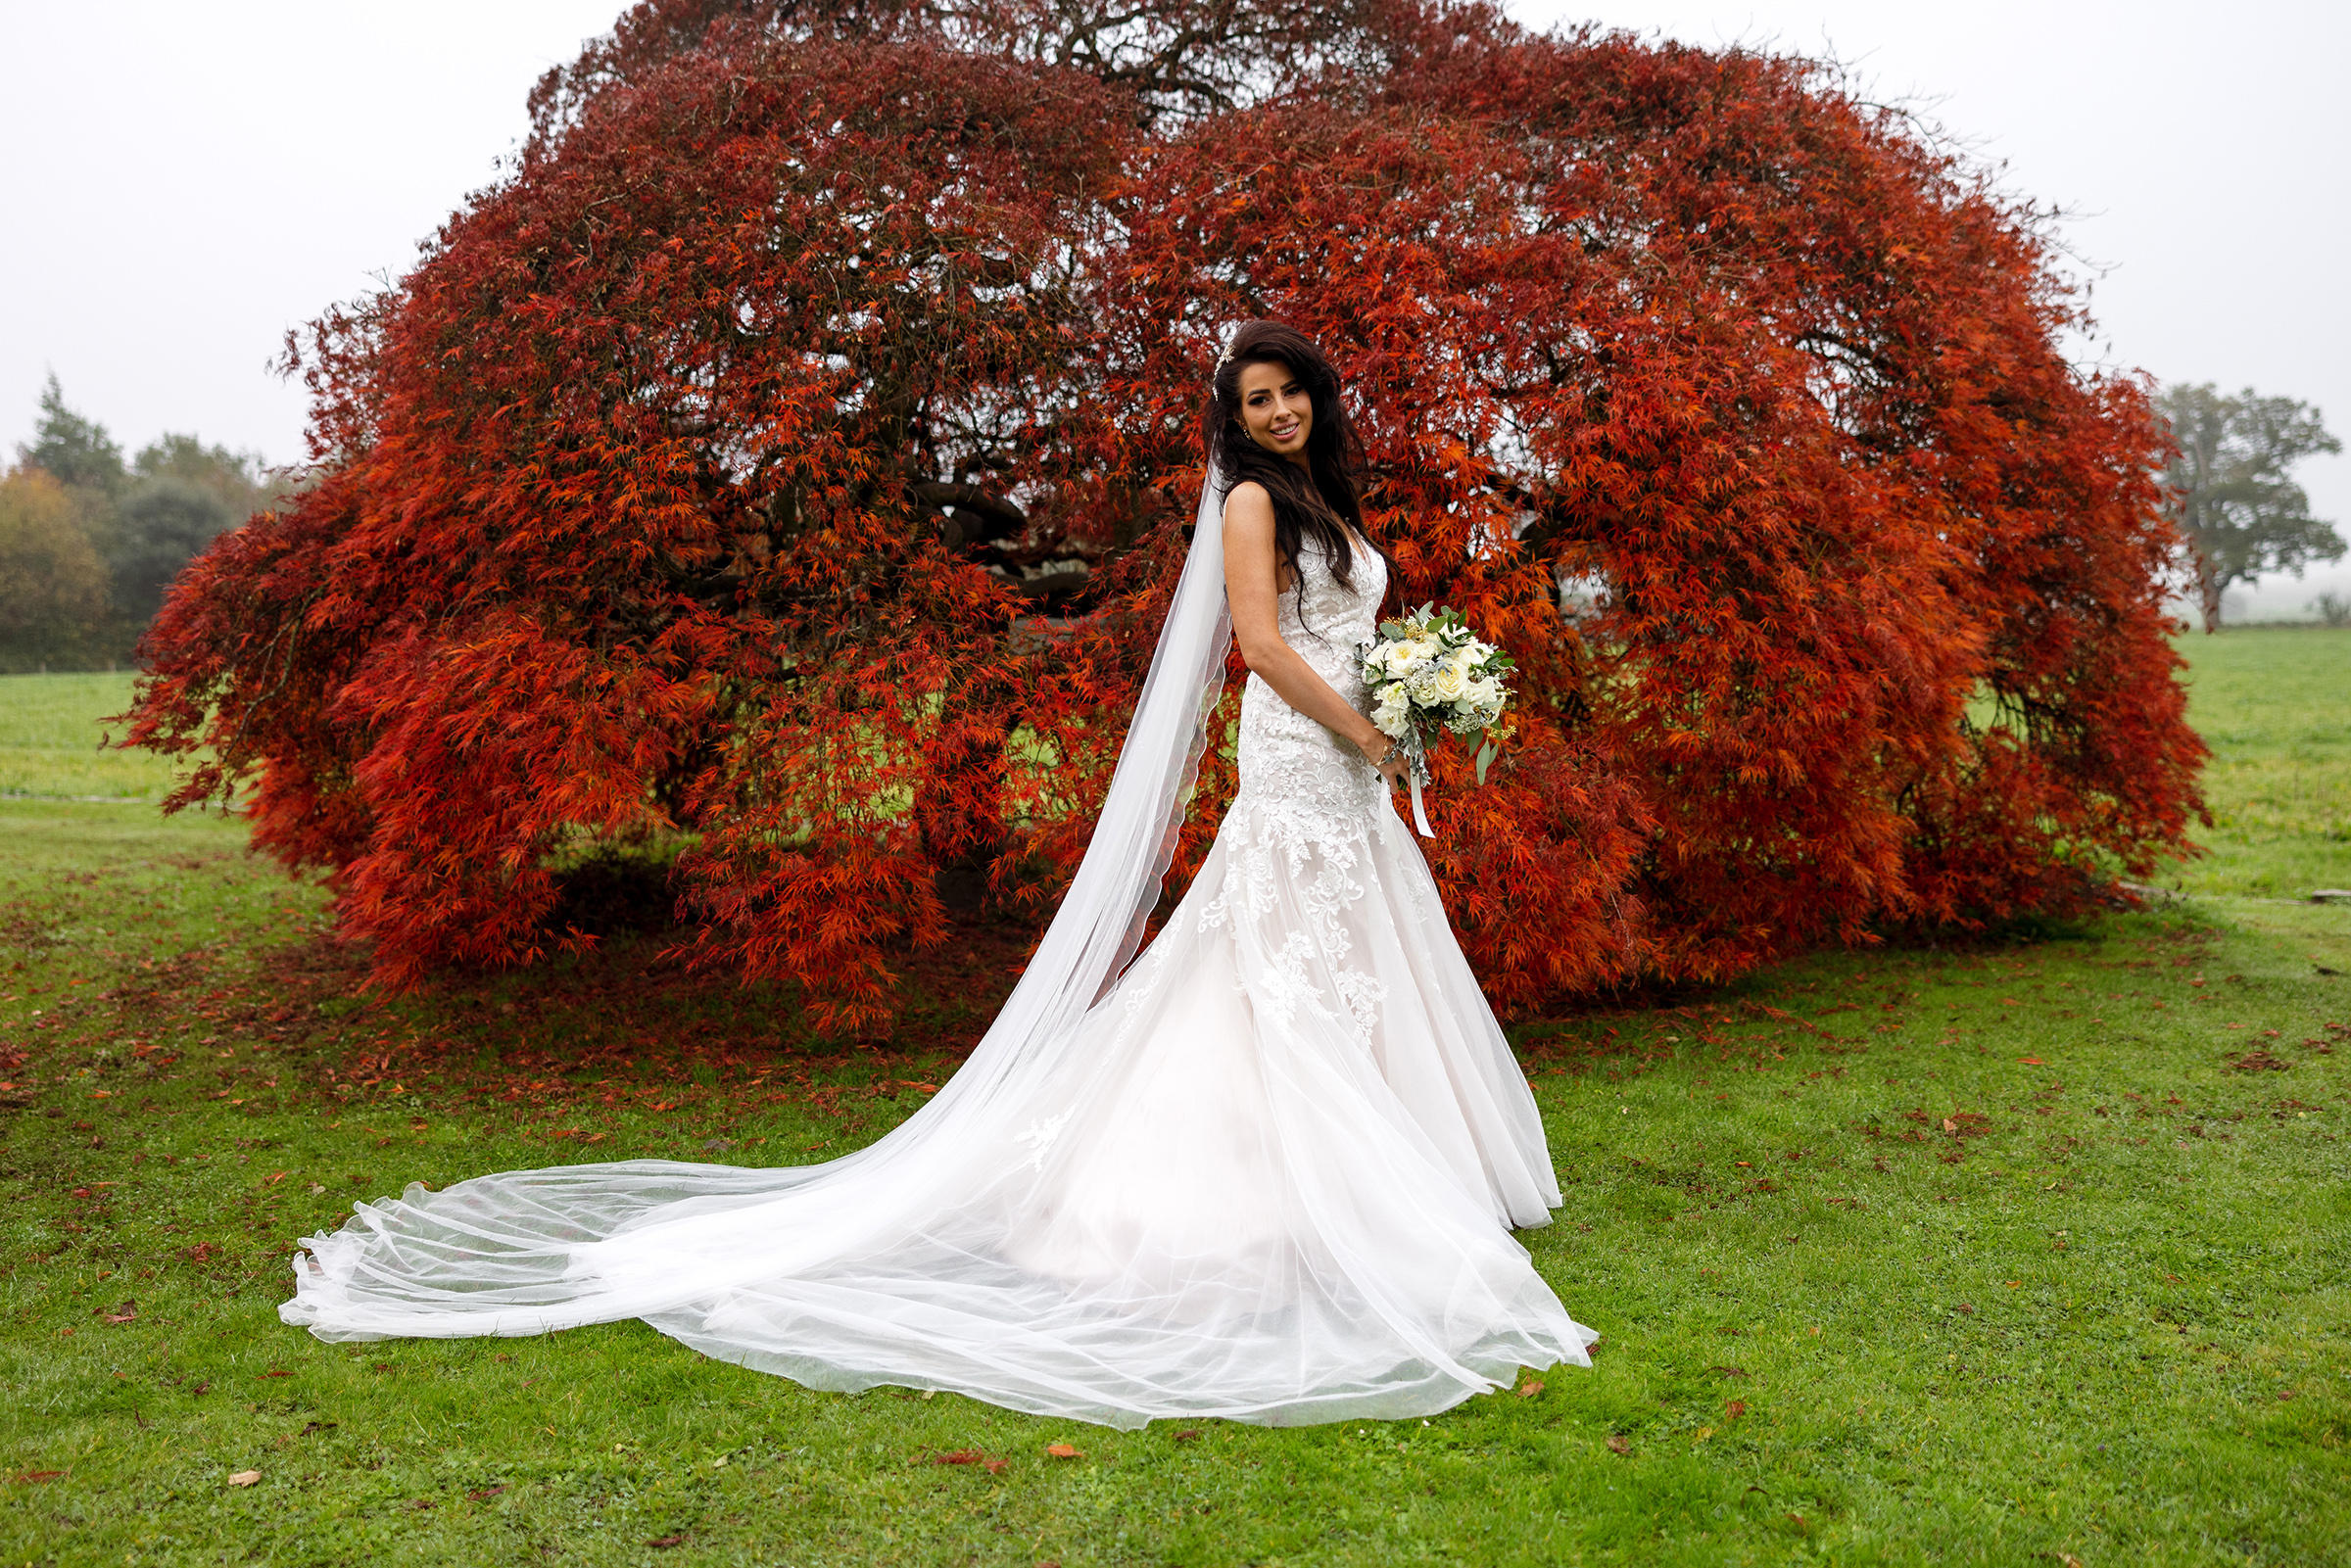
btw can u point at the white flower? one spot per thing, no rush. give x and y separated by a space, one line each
1394 713
1449 681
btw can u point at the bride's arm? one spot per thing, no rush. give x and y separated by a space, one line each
1253 590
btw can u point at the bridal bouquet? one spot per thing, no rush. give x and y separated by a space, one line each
1429 674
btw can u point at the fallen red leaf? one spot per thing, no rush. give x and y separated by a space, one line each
1734 1410
1187 1434
1618 1444
2032 1061
1529 1389
277 1374
1062 1450
484 1494
127 1312
34 1477
960 1456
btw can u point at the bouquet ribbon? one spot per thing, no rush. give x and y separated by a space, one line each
1420 815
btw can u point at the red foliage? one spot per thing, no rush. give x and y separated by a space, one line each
791 457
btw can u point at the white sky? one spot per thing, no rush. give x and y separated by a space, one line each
188 181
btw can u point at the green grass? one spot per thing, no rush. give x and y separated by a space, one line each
2105 1315
2275 705
50 734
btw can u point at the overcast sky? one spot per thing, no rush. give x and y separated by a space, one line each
189 180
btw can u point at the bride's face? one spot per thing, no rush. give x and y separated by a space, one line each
1275 411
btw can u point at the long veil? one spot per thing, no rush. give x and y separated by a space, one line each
1102 918
518 1252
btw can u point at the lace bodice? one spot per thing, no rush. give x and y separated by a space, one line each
1302 773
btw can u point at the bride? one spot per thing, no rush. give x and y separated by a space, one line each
1267 1172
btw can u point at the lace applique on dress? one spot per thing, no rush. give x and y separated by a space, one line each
1302 784
1309 803
1039 1138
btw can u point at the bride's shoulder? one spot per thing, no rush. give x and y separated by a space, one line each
1248 508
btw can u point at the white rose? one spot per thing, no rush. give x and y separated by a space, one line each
1449 681
1393 716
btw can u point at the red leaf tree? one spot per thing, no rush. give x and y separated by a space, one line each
790 459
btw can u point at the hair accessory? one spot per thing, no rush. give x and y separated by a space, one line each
1224 359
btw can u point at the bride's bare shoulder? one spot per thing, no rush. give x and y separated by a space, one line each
1248 506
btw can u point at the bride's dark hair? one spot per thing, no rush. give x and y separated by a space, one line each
1320 507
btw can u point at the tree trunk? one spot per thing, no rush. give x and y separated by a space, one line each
2209 587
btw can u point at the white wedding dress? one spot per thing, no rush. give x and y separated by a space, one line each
1268 1173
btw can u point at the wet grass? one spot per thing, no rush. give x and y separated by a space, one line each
50 734
2275 705
2009 1254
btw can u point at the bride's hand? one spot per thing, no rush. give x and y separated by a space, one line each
1389 761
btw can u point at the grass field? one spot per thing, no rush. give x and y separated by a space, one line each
2275 705
2027 1255
50 737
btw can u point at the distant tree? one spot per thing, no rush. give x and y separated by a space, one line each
2238 512
2334 610
159 527
185 495
239 478
52 585
73 450
146 520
